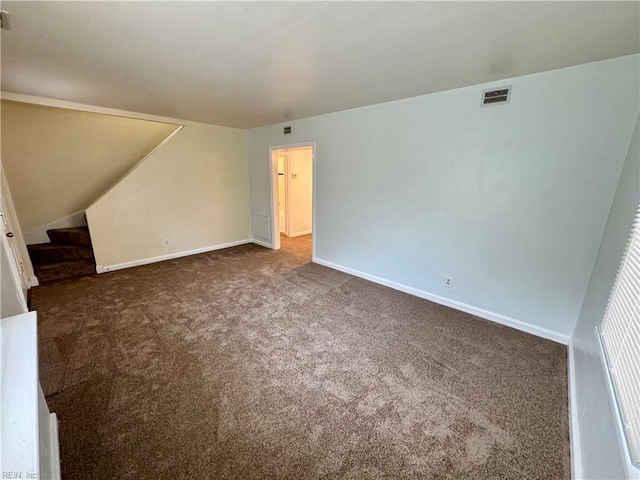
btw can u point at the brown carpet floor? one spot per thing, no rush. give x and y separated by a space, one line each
247 363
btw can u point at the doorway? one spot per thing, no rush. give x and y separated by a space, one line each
292 169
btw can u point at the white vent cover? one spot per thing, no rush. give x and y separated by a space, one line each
496 96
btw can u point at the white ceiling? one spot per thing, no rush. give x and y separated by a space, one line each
246 64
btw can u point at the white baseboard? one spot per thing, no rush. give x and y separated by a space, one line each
574 417
262 243
463 307
170 256
33 281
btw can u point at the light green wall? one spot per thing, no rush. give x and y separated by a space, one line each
510 201
600 454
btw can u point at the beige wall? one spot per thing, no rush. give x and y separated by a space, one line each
192 191
59 161
299 197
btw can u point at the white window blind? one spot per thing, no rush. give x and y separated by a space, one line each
620 331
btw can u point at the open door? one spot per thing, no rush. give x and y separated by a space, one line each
292 194
282 192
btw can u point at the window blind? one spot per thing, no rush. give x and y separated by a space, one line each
620 332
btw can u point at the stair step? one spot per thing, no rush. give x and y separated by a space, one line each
52 272
54 253
70 236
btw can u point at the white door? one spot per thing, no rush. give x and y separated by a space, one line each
282 193
8 244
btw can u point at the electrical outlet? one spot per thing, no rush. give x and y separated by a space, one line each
448 282
166 242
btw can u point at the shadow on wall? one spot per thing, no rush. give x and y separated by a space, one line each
58 161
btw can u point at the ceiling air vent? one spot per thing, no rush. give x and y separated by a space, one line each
287 130
496 97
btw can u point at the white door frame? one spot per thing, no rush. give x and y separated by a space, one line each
275 211
16 244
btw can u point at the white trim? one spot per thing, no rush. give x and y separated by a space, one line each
313 201
171 256
84 107
574 417
16 246
274 192
463 307
54 443
33 281
16 275
262 243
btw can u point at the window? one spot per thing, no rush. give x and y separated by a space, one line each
620 332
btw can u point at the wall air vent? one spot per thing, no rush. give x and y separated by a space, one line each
287 130
496 97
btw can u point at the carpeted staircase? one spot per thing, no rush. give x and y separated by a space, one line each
69 255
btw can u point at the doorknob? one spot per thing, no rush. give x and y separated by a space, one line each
10 234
